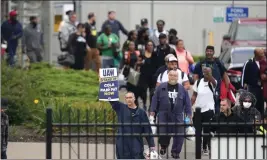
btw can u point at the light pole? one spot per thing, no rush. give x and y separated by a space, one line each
152 14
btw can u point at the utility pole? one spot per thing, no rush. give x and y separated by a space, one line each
152 14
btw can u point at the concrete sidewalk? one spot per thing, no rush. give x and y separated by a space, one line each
17 150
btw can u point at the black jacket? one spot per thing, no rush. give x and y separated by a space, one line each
222 118
251 74
116 26
161 53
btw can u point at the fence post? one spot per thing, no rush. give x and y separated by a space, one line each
198 127
49 133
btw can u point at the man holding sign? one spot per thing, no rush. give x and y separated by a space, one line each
131 147
108 89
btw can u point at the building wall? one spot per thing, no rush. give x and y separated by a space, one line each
192 19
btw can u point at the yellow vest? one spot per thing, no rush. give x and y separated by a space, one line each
262 130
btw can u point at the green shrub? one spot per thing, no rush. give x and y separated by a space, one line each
198 58
63 90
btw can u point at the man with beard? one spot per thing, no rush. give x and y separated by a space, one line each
161 51
91 38
32 41
11 31
171 101
173 38
251 78
218 72
156 33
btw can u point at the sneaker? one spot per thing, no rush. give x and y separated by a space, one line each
175 156
162 151
205 152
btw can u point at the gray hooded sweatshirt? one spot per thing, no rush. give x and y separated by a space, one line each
32 39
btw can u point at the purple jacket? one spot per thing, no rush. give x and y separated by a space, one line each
161 103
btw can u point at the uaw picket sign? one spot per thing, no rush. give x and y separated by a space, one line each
108 89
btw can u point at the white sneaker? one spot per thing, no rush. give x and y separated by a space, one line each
206 152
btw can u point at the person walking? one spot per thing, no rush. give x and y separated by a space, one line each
32 41
203 97
162 50
115 25
11 32
132 37
91 38
172 38
108 43
78 47
131 147
142 40
144 25
185 58
146 75
67 29
247 111
251 78
263 72
171 101
173 65
156 33
218 72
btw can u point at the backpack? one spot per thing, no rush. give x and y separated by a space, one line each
161 75
210 86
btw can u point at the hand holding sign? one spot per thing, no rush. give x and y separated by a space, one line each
108 89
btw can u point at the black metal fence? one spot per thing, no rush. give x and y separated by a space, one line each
246 145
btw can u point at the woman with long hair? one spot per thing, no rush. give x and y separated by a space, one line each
132 37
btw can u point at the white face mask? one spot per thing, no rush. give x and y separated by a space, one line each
247 104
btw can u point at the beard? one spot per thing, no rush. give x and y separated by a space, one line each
172 82
93 23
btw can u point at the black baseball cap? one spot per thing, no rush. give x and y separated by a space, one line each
91 15
144 21
162 35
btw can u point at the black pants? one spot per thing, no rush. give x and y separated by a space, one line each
3 155
257 92
205 118
142 92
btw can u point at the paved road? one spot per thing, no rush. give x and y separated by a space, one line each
37 151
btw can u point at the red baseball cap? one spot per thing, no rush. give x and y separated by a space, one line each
13 13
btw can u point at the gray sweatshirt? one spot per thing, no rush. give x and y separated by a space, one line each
32 39
66 30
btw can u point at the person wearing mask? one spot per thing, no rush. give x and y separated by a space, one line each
173 65
108 43
142 39
131 60
91 38
185 58
32 41
218 72
173 38
132 37
11 32
251 78
131 147
67 29
247 111
115 25
171 101
226 116
4 128
203 94
156 33
78 47
146 74
263 72
162 50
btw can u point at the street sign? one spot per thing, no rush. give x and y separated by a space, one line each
218 15
233 13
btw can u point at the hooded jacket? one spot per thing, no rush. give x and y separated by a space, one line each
32 38
66 30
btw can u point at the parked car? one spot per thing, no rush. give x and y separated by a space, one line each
245 32
234 61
